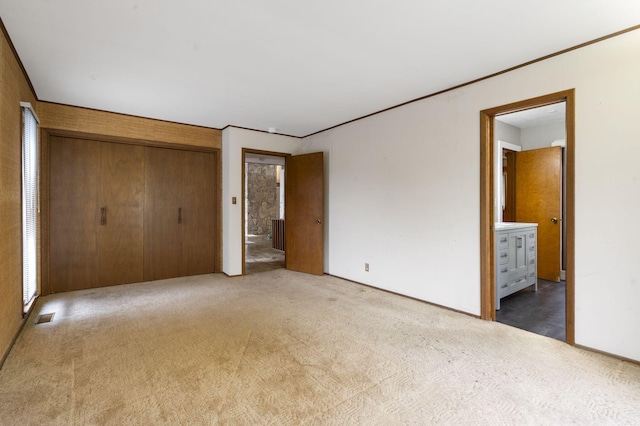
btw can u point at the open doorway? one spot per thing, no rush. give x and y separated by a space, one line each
529 186
493 213
263 211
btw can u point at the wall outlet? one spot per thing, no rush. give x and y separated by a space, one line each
366 267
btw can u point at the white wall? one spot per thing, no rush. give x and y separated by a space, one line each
233 140
542 136
506 132
404 190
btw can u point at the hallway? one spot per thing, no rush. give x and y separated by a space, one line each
260 256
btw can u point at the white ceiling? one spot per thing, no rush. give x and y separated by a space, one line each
534 117
295 65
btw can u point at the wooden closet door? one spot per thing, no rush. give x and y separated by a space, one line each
74 214
164 170
122 198
199 214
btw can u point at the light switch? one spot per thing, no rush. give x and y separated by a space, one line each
233 200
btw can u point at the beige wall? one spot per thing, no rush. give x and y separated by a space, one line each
418 168
13 89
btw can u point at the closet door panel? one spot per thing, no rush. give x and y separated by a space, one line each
74 214
121 229
163 206
198 202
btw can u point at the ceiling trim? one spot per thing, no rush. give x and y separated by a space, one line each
262 131
17 57
540 59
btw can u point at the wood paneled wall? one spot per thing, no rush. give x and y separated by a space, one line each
14 88
59 119
89 121
65 120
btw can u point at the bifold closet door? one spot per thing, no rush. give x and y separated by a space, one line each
199 213
180 213
74 214
96 214
164 170
122 214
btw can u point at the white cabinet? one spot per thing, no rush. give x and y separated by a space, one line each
516 250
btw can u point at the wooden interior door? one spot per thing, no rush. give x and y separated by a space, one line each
538 200
122 214
163 213
74 214
198 213
304 213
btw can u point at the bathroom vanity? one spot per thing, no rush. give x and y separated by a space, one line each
516 265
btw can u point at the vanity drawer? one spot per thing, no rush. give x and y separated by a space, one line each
503 256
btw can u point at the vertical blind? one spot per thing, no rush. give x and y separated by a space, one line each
29 202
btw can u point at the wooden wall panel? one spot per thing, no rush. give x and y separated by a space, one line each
83 120
14 88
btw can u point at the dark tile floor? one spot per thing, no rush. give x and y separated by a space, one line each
540 312
260 256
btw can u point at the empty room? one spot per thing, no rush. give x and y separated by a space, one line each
444 196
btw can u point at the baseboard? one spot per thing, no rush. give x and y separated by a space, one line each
621 358
408 297
25 318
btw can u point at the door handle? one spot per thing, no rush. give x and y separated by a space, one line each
554 219
103 216
179 214
318 221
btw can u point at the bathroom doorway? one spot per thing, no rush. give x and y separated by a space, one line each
491 207
529 147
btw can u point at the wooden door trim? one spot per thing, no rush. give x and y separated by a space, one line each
487 214
47 133
244 195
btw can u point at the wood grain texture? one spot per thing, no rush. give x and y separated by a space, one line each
74 214
122 197
538 200
304 213
199 213
14 88
65 117
164 170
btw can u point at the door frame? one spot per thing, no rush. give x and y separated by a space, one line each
487 214
246 151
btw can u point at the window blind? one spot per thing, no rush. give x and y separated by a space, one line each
29 202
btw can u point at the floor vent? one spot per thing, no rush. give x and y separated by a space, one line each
44 318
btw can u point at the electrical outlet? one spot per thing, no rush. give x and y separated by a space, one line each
366 267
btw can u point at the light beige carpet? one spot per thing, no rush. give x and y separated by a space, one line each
286 348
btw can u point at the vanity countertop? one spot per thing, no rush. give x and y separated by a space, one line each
499 226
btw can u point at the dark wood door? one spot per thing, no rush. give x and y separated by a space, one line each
74 214
96 206
122 214
304 213
164 170
538 200
198 213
